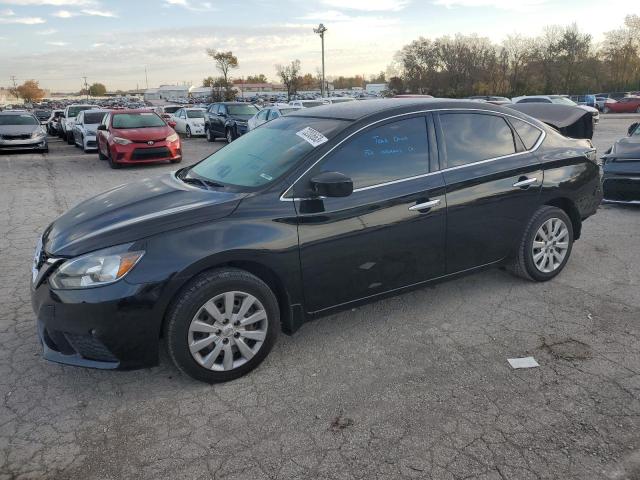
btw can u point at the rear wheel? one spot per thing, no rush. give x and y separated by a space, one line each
222 325
545 246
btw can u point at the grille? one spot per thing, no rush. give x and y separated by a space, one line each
622 190
90 347
91 143
26 136
149 153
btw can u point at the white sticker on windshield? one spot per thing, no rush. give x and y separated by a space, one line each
312 136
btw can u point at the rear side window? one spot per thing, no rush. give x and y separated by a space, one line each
390 152
472 137
527 133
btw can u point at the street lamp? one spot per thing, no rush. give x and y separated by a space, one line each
320 31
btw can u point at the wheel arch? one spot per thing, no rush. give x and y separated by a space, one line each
289 321
567 205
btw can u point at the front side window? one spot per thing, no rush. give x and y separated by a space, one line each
262 115
273 114
266 153
137 120
472 137
382 154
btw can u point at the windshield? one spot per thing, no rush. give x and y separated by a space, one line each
137 120
74 111
93 117
25 119
287 111
242 110
195 114
266 153
563 101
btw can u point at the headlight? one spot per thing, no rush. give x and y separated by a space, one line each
91 132
122 141
172 138
38 133
96 269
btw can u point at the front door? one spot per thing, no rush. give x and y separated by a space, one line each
389 233
493 180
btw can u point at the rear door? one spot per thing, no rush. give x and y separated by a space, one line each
389 233
493 180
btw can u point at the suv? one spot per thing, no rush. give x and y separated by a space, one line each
68 120
227 120
303 217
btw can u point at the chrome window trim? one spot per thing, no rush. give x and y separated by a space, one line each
479 162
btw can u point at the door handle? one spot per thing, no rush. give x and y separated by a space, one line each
526 182
425 205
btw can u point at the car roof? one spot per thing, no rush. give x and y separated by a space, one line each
133 110
359 110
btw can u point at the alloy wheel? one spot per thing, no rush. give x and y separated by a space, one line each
229 136
188 132
550 245
227 331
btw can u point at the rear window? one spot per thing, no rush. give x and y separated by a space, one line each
137 120
74 111
472 137
527 133
171 109
93 117
195 113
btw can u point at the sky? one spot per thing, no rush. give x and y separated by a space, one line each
57 42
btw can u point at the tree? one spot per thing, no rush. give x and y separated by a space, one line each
208 82
97 90
30 91
396 85
225 61
289 76
260 78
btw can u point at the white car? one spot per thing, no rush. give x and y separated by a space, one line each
308 103
340 99
69 119
558 99
84 129
270 113
189 121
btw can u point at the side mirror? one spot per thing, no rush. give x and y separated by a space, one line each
632 128
172 124
101 127
332 184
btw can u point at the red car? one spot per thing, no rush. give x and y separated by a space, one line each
137 136
624 105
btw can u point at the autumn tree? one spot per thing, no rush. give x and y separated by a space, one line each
97 90
260 78
225 62
30 91
289 74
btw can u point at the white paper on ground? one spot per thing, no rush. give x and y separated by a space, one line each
525 362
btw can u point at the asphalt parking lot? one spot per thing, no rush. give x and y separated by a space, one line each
417 386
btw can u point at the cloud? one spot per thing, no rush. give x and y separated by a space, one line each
9 17
368 5
91 12
49 31
7 13
189 5
55 3
64 14
522 5
57 44
326 16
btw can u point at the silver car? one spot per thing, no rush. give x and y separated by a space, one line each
22 131
84 129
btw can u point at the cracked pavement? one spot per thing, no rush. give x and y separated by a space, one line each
417 386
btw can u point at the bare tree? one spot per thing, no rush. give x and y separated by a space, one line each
225 61
289 74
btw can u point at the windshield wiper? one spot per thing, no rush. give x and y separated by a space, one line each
184 176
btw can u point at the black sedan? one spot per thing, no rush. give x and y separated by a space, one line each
312 213
622 169
21 130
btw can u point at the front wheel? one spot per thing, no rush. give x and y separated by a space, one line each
222 325
188 134
545 246
230 136
70 139
638 110
606 110
112 163
210 136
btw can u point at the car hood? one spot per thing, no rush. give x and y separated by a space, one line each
18 129
589 109
242 118
135 211
143 134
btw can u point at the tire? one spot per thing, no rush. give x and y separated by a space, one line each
638 110
70 139
101 155
606 110
229 135
188 132
112 163
210 136
526 265
188 307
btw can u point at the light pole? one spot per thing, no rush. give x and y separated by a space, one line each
320 31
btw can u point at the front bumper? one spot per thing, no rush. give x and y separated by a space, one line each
109 327
142 153
90 142
28 144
